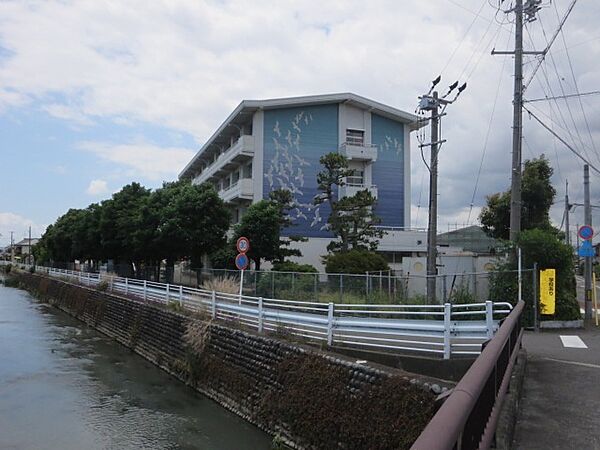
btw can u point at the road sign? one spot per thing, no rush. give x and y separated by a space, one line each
241 261
586 232
243 245
586 249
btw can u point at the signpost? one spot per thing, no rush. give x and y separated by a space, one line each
547 291
242 260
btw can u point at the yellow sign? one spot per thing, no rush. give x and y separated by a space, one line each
547 291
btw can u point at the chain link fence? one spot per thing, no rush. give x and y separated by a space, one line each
385 287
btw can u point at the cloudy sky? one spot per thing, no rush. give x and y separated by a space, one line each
96 94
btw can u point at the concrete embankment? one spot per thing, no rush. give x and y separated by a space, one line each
302 396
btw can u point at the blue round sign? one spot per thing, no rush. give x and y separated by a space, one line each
241 261
586 232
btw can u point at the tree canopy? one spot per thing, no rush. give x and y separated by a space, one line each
179 220
352 219
537 196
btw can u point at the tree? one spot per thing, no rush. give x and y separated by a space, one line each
549 252
355 261
537 197
351 219
121 226
261 225
284 201
188 220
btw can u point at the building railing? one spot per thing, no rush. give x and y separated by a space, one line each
239 145
469 416
445 330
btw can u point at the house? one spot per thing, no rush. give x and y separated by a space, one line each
468 239
22 249
269 144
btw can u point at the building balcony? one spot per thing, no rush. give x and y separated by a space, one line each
243 189
350 189
238 153
359 152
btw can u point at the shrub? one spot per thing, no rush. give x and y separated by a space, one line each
355 261
288 266
102 286
291 286
226 284
32 269
545 249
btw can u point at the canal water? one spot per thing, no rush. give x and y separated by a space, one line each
65 386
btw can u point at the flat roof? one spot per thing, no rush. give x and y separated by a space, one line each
247 108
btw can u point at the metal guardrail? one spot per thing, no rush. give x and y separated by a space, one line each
445 330
468 418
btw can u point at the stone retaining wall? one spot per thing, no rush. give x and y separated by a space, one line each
304 397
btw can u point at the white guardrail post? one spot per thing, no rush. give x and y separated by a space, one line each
145 290
489 318
167 295
213 304
260 314
126 286
447 324
180 295
330 324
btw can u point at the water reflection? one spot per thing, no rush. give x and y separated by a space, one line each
63 385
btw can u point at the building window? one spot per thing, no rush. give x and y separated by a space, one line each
355 137
235 177
356 179
248 171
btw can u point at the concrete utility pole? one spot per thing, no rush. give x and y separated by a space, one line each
29 255
515 185
587 268
567 209
432 223
12 248
432 102
530 9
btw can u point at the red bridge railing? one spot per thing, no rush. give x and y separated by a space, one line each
468 418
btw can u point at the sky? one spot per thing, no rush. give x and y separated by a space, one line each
97 94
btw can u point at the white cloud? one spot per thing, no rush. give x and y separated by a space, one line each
97 187
19 225
141 159
185 64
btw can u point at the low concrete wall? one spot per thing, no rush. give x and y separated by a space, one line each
306 398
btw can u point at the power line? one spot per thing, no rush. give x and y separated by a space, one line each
549 44
477 15
579 94
487 135
587 124
563 141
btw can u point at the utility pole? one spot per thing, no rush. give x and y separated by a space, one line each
432 223
432 102
515 185
567 209
12 248
29 247
587 268
530 9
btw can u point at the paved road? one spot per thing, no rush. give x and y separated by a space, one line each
560 408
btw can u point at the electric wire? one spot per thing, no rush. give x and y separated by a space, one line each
587 124
487 136
476 16
562 89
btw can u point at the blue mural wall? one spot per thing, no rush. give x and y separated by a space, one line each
294 140
388 170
